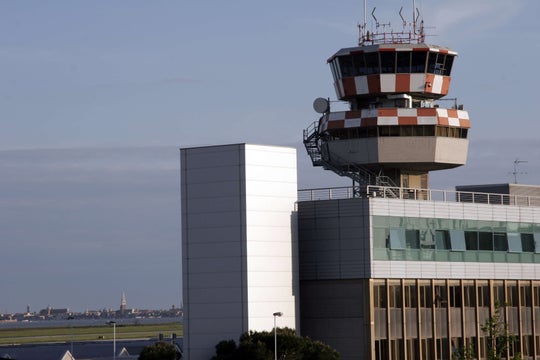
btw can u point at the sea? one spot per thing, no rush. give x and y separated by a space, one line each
85 322
102 349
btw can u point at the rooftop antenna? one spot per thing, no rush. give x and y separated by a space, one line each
414 16
516 172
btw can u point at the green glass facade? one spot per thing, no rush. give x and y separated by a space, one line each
433 239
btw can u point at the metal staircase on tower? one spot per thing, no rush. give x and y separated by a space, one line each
360 176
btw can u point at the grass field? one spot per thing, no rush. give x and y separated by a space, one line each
88 333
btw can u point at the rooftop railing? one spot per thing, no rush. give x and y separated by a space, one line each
373 191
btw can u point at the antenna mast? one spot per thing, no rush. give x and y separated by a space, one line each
516 172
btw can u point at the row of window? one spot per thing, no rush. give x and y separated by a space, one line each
395 347
414 299
454 296
460 240
402 130
391 62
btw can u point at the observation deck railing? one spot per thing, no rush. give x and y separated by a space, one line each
373 191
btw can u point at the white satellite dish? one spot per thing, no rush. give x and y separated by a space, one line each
321 105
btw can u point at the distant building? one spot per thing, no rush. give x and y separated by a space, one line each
50 312
123 304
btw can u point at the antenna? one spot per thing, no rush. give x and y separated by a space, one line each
516 172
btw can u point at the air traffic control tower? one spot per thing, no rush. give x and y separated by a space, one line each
395 130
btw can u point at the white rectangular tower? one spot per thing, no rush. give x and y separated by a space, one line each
238 242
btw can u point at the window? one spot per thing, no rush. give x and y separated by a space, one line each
379 296
403 61
372 63
471 240
537 242
397 350
381 349
469 295
394 292
427 349
425 296
440 296
514 242
418 61
536 292
457 240
412 349
432 61
412 238
483 296
442 240
442 349
454 296
527 243
512 295
411 299
485 241
500 242
498 294
448 64
359 65
346 66
525 295
397 239
388 62
335 70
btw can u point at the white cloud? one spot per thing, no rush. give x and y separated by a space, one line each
466 17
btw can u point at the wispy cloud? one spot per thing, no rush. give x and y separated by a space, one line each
482 15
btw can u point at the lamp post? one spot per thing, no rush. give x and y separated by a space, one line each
71 328
113 323
276 314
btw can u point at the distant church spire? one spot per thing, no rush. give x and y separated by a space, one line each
123 304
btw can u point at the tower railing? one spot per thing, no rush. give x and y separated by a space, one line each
374 191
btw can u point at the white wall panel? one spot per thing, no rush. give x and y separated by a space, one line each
238 242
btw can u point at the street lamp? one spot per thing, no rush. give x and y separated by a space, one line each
276 314
113 323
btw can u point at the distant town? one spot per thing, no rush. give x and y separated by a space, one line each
50 313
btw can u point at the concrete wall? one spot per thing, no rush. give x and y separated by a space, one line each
237 243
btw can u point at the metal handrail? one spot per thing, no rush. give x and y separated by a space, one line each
373 191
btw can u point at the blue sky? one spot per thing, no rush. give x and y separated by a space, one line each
98 96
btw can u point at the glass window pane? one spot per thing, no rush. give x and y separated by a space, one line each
448 65
397 239
359 65
418 61
403 62
412 239
432 61
372 63
537 243
485 241
500 243
514 242
527 242
346 66
442 241
439 66
388 62
471 240
457 240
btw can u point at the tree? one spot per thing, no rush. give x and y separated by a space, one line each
255 345
498 339
498 336
159 351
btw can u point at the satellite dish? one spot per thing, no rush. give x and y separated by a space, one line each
321 105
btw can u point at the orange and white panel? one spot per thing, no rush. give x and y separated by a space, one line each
392 83
394 117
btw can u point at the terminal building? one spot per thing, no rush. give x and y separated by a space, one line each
385 269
